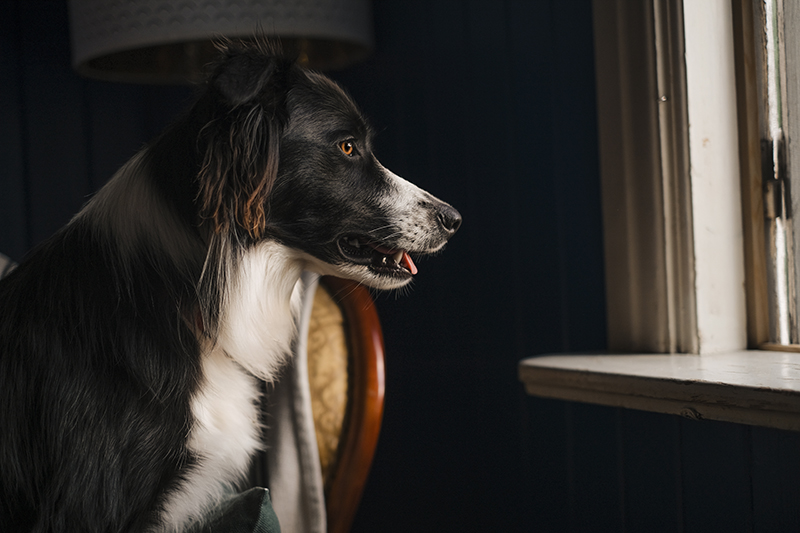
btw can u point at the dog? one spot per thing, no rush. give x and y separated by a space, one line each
131 341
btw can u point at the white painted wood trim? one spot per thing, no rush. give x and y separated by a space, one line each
669 153
714 161
639 213
748 387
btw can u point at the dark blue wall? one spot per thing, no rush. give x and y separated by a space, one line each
490 105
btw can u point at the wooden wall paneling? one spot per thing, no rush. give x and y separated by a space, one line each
470 83
775 475
449 477
480 453
537 305
577 177
162 104
133 115
490 404
548 506
490 174
715 469
457 179
496 276
595 462
440 62
14 198
651 471
115 111
55 129
459 123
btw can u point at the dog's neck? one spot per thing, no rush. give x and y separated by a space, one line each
262 301
261 296
256 329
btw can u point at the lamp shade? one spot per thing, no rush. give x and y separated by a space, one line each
170 41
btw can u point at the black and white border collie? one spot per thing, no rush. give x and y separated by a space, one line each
130 341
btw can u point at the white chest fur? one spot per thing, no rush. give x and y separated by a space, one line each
256 332
225 435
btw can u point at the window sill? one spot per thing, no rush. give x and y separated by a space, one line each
759 388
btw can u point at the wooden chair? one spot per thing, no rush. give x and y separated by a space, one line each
346 375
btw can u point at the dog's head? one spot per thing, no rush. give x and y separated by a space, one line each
289 157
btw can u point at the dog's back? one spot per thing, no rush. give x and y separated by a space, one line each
93 426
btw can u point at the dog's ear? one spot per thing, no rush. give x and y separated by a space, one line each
243 75
242 141
242 79
247 68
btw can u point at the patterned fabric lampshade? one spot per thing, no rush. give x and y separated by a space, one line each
170 41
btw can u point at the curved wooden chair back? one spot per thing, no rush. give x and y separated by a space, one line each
347 392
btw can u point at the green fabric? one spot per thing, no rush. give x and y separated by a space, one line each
250 511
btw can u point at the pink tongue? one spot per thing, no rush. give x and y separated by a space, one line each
408 263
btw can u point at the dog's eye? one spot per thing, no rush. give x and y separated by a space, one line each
347 148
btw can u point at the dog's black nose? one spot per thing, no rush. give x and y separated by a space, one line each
449 218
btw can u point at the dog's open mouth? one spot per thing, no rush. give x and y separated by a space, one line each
380 258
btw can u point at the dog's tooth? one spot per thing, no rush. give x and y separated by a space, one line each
398 256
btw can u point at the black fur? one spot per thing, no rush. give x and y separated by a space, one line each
100 326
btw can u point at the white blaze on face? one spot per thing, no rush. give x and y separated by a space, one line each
412 211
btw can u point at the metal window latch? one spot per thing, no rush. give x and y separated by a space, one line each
775 182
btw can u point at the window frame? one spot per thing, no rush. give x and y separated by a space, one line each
683 222
674 243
